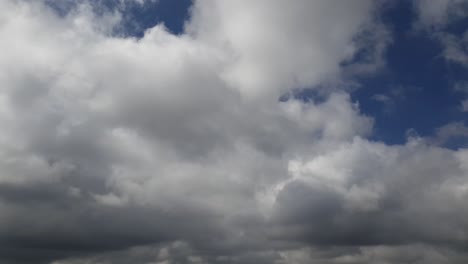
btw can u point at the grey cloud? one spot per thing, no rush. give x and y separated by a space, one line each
397 195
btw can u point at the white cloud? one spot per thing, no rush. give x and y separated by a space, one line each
435 16
439 13
464 105
449 132
278 45
455 47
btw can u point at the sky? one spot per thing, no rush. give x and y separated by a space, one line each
233 132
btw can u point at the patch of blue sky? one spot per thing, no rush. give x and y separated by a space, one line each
136 16
417 81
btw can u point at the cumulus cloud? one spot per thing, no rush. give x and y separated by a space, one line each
176 148
273 49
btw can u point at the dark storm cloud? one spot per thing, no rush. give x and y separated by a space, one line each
43 223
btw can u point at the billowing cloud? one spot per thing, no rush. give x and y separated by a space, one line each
177 148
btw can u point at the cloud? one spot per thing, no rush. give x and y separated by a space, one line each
273 50
400 204
176 148
387 101
395 94
462 88
439 13
455 48
435 17
455 133
464 105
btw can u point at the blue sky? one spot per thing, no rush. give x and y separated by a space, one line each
417 71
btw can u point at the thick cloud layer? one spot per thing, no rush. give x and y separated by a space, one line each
178 149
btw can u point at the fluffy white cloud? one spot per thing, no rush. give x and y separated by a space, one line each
277 45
